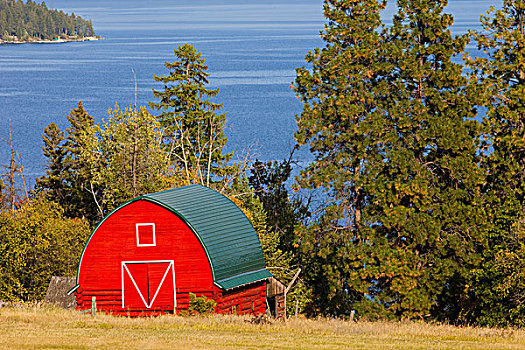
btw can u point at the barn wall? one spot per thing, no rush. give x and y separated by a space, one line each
245 300
115 241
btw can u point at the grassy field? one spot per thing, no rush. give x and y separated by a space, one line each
52 328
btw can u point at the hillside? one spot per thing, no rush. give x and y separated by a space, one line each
33 22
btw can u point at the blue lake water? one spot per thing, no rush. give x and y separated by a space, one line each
252 49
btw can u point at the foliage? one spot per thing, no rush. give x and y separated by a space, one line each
56 169
280 262
269 183
506 296
131 161
92 169
339 101
193 132
389 119
36 242
493 299
21 21
241 194
201 305
81 135
69 180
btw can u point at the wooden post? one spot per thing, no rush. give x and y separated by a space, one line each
352 314
94 306
284 312
288 288
296 307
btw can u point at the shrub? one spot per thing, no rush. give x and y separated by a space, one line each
201 305
37 242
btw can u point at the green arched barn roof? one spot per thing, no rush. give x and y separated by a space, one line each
228 237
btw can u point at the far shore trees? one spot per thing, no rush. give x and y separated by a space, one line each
29 21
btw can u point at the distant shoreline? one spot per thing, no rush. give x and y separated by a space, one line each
15 41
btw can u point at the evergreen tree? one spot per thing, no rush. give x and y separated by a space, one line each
502 78
193 131
268 181
80 161
56 170
339 122
390 120
427 195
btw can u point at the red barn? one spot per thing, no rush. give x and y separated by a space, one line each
147 255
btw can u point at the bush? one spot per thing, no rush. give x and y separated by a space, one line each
201 305
37 242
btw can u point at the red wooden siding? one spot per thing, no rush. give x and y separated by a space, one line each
249 299
115 242
151 263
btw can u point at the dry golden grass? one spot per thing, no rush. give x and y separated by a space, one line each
52 328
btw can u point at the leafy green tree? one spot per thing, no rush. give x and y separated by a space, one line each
134 163
36 242
93 169
501 75
193 132
390 120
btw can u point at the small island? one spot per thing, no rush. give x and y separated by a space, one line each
31 22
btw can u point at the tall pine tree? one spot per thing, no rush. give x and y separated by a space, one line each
390 121
497 297
55 179
193 130
424 206
70 164
340 123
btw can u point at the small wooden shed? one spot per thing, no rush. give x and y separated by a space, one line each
147 255
275 295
